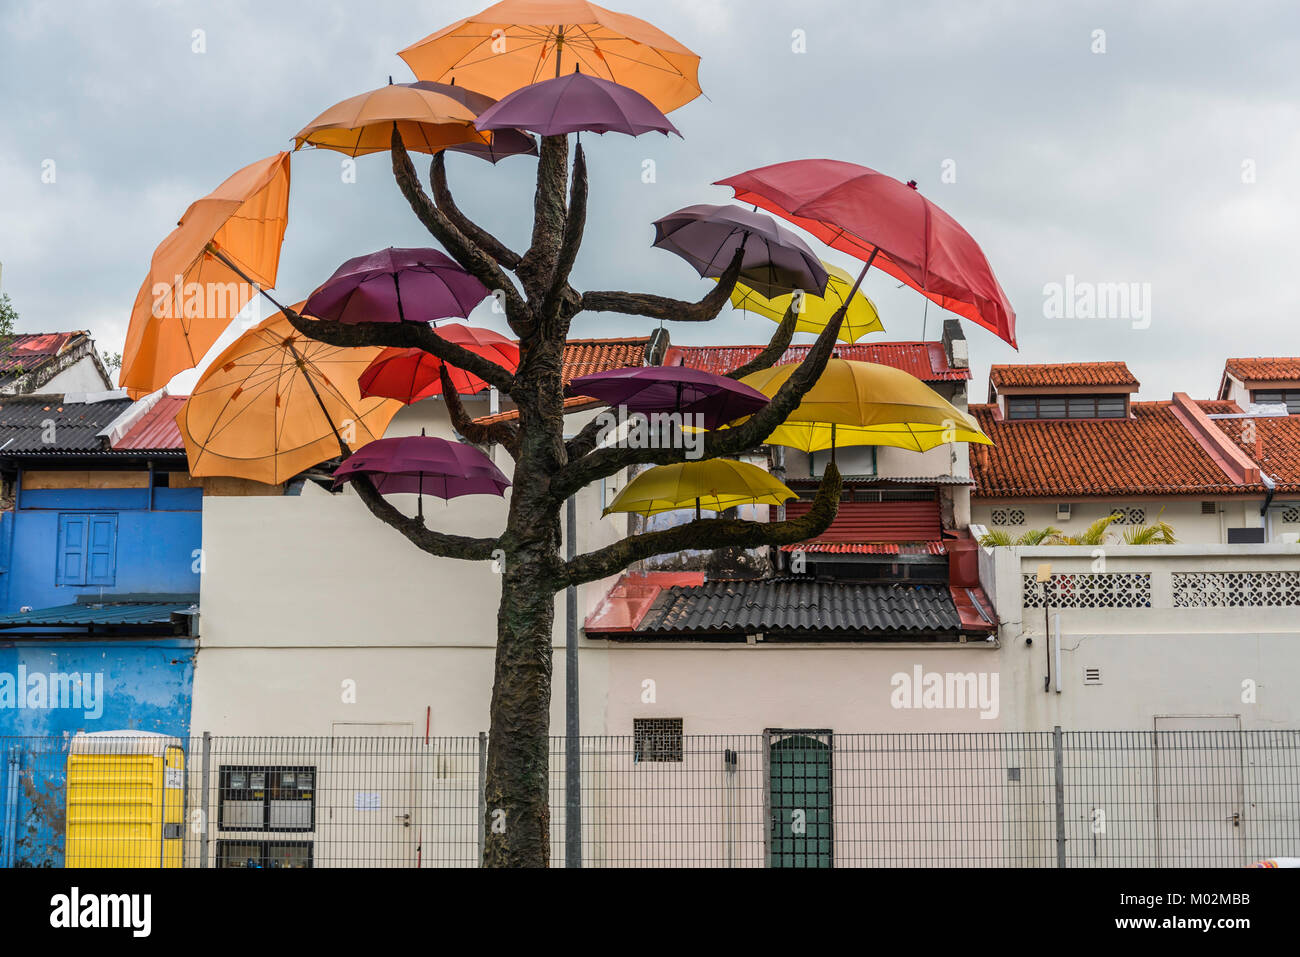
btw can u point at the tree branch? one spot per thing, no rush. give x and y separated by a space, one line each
537 266
710 533
411 335
775 349
468 254
427 540
599 463
661 307
574 223
504 433
475 233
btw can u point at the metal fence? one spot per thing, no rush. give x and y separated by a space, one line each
789 798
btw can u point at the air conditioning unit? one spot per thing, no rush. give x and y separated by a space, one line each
1063 512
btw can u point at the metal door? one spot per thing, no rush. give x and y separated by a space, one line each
1199 794
801 796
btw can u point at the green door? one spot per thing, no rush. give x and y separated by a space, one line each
802 811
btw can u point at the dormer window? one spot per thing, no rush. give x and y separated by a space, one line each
1066 406
1073 390
1288 397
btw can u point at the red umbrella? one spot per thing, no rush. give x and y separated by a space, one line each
886 223
412 374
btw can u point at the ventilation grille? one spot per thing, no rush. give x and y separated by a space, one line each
1209 508
1008 516
1129 516
1236 589
657 739
1089 590
1291 515
1092 676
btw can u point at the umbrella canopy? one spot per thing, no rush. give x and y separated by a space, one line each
409 375
397 285
505 143
715 398
424 465
715 484
707 236
269 406
574 104
428 120
517 42
816 311
190 296
886 223
865 403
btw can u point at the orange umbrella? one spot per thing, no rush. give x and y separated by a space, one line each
276 403
517 42
428 121
191 294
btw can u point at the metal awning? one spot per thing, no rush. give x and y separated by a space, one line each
111 611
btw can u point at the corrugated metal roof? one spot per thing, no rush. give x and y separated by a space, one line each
26 352
106 612
925 360
25 423
157 428
861 548
801 606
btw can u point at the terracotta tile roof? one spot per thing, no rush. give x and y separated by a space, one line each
1264 369
1151 453
1276 446
583 357
925 360
157 428
1065 374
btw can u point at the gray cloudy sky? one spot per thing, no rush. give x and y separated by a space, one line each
1124 166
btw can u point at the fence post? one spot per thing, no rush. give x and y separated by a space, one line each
767 798
204 799
482 795
1059 748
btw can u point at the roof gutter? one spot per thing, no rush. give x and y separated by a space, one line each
1231 460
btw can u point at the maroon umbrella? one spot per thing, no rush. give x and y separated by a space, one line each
776 260
574 104
672 389
886 223
504 143
397 285
423 465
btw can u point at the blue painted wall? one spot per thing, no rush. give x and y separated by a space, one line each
134 683
141 684
155 547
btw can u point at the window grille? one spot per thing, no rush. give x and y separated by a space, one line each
1236 589
1089 590
657 739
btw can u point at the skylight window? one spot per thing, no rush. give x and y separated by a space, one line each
1065 406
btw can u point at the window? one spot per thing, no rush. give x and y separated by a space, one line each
1065 407
1288 397
267 799
87 549
657 739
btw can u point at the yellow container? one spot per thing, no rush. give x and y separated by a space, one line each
126 800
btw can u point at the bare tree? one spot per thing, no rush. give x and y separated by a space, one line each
540 305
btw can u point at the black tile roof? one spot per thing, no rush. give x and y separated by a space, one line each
802 606
24 424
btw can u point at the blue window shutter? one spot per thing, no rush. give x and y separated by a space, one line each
73 530
101 566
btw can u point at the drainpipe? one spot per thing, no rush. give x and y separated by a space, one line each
1056 640
10 836
1263 511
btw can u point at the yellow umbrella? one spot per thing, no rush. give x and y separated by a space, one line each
514 43
428 121
225 246
861 318
865 403
716 484
276 403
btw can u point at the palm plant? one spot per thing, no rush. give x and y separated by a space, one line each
1095 534
1036 536
1158 532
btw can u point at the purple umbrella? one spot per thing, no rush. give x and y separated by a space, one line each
504 143
776 260
397 285
672 389
573 104
423 465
